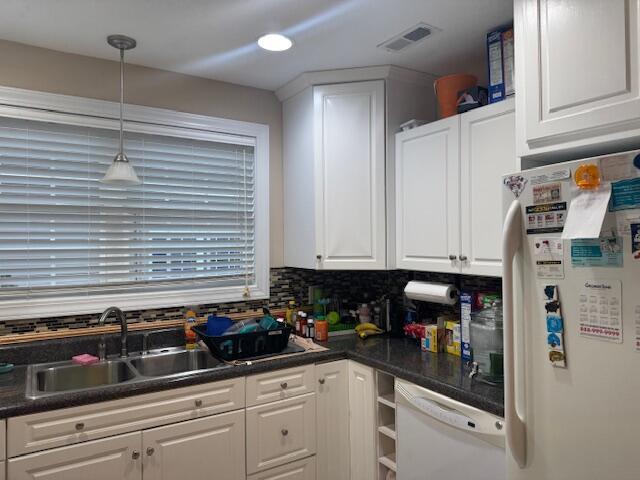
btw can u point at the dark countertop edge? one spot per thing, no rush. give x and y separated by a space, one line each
116 392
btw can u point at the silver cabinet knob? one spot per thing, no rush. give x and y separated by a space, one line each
318 257
150 451
463 258
135 455
80 426
284 432
452 257
198 403
283 385
499 425
321 381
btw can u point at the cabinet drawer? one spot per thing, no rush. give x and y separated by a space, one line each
301 470
271 386
3 440
40 431
280 432
106 459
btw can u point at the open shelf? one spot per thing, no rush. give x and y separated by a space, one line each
388 430
389 461
389 400
386 423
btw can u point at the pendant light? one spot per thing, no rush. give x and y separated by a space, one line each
121 172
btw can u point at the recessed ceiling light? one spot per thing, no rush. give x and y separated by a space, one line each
275 42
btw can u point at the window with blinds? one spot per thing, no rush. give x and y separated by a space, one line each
189 224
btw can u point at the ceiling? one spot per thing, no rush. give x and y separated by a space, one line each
216 38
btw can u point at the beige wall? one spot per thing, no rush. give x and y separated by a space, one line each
33 68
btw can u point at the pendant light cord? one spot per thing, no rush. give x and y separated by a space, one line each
121 97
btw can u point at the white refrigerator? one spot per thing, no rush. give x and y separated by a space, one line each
572 326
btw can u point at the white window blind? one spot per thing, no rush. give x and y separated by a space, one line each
190 224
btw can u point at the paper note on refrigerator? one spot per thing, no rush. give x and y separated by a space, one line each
600 310
586 213
549 257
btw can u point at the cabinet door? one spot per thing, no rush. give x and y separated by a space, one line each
428 197
362 422
280 432
576 87
3 439
332 421
487 152
105 459
350 175
202 448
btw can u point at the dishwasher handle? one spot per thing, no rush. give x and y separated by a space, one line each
448 411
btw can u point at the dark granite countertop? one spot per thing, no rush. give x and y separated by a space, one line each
403 358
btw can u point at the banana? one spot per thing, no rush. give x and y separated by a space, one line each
367 333
367 326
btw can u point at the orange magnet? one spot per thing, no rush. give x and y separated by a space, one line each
587 177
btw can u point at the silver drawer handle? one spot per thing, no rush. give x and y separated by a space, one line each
321 381
198 403
283 385
150 451
80 426
135 455
284 432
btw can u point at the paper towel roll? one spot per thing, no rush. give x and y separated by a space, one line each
432 292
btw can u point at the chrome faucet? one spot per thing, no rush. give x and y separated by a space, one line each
102 346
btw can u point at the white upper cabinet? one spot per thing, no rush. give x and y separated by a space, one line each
427 197
487 152
577 74
349 175
449 194
338 163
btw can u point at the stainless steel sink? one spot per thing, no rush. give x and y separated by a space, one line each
171 363
66 377
47 379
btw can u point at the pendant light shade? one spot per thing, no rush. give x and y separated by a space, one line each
121 172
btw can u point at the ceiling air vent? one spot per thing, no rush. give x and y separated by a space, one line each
409 37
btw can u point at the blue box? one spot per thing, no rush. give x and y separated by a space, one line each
466 304
500 61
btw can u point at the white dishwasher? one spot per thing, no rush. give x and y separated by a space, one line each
439 438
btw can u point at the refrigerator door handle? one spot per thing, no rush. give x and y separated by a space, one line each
511 244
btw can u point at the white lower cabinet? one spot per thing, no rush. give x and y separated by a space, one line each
362 422
111 458
212 446
3 440
332 420
304 469
280 432
3 470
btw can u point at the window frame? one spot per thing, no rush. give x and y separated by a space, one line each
71 110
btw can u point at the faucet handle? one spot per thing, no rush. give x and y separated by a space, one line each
102 349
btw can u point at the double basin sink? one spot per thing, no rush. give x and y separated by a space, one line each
48 379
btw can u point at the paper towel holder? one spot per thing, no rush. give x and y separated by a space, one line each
432 292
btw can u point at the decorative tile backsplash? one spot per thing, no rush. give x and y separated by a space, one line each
286 284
